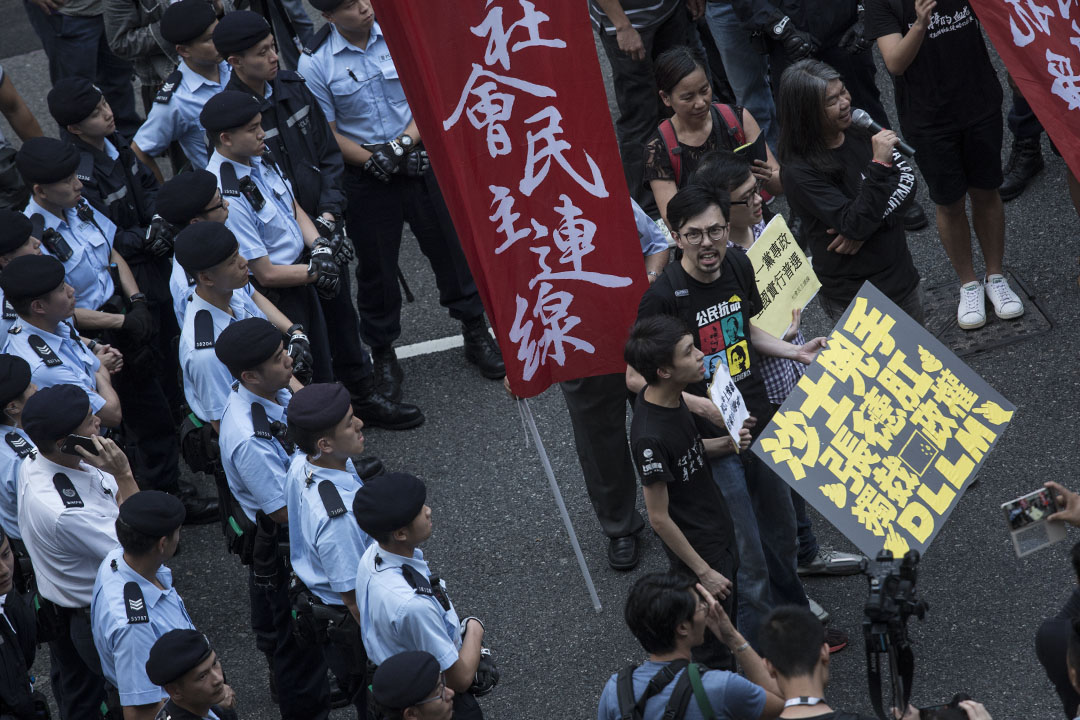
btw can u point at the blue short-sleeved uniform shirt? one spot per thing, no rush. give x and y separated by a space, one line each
7 316
359 90
178 119
649 234
181 291
732 696
87 270
254 466
324 550
123 644
207 382
272 231
77 363
14 446
394 618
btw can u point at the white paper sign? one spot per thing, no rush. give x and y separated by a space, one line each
726 396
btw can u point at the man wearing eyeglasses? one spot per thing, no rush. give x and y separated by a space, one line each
411 685
714 293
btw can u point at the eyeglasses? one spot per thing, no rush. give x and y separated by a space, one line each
219 206
695 236
749 198
440 692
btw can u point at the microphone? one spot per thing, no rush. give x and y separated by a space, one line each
861 118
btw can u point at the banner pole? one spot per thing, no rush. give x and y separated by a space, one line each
527 412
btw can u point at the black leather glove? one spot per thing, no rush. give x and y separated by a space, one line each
487 675
328 280
797 44
854 41
300 352
331 236
384 160
160 237
416 163
138 323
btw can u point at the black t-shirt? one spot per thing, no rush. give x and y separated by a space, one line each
950 84
864 201
658 162
719 314
667 447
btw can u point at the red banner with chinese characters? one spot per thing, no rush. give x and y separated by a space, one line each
510 104
1039 40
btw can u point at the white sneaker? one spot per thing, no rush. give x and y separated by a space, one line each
971 313
1007 304
821 613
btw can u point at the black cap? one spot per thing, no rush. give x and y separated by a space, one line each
175 653
388 502
326 5
246 344
186 20
53 412
153 513
239 30
45 160
202 245
14 377
405 679
186 195
15 230
319 406
229 109
31 276
72 99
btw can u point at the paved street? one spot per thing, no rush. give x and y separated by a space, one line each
499 541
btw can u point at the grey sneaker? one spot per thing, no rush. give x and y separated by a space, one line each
832 562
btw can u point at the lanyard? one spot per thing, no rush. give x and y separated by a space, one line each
793 702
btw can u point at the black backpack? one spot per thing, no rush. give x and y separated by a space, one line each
688 683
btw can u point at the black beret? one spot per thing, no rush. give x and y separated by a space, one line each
238 30
153 513
14 377
405 679
72 99
53 412
229 109
45 160
186 20
326 5
186 195
175 653
319 406
15 230
203 245
388 502
31 276
246 344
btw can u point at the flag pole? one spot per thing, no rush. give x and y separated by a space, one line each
526 412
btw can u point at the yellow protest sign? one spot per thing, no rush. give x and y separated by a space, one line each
784 277
886 429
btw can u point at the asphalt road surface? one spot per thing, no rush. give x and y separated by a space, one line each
499 541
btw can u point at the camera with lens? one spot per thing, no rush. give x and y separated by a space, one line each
160 236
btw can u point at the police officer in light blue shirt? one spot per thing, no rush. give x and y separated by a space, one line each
402 605
255 453
201 74
325 543
15 389
134 601
15 239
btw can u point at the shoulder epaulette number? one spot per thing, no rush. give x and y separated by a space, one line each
67 491
134 604
164 95
85 171
19 444
229 184
331 499
204 330
260 424
44 351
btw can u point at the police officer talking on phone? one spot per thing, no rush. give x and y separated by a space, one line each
70 494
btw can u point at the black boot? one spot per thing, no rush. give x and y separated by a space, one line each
367 466
914 217
1025 162
481 349
388 373
377 410
199 510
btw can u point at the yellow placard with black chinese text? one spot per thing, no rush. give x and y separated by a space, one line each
886 429
783 275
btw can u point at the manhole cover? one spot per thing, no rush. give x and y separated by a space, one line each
940 303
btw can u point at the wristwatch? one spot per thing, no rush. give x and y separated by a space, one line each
406 142
294 328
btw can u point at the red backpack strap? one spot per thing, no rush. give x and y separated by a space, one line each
734 126
671 144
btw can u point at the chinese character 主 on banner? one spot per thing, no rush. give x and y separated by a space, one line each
886 429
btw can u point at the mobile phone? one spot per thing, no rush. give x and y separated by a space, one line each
1027 523
74 441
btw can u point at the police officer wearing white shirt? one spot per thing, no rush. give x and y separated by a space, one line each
68 505
134 600
15 240
325 543
394 582
256 454
201 74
